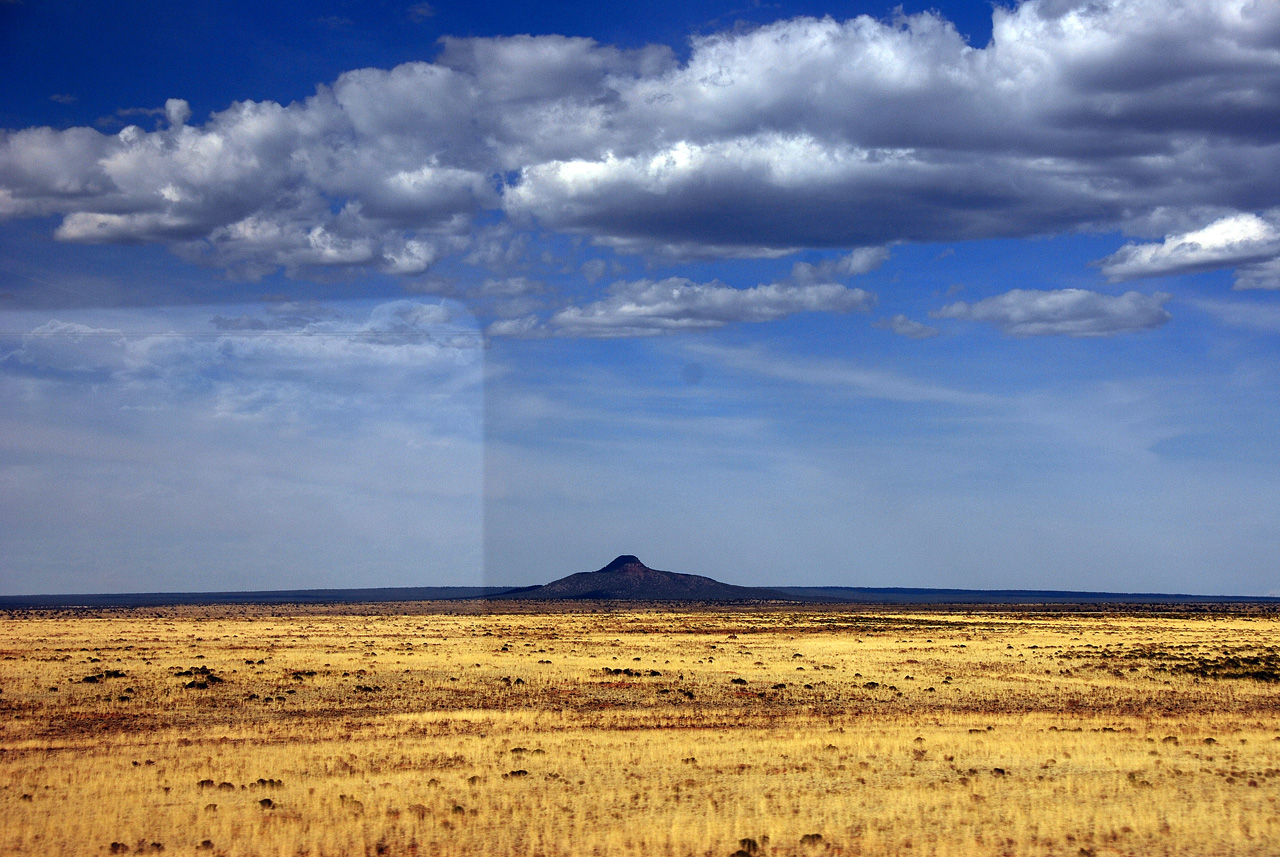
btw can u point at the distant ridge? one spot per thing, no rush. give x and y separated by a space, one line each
906 595
628 579
376 595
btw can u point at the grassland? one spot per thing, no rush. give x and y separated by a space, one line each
430 730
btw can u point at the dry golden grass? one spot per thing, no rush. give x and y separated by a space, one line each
417 729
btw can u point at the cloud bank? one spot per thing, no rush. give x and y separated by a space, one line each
807 133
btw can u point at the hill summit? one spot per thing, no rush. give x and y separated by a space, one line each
629 579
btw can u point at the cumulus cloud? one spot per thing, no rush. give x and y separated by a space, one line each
904 326
260 185
807 133
1237 240
651 308
1063 312
1076 114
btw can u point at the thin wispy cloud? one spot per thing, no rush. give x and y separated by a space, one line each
163 444
907 327
1248 315
838 375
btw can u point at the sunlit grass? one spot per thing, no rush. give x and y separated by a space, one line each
415 730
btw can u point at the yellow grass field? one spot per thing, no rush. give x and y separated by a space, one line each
436 729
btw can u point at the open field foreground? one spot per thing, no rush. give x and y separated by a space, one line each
422 729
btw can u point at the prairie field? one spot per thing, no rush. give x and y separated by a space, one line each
448 729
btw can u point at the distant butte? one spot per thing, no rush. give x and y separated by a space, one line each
628 579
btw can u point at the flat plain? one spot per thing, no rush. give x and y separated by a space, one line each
446 729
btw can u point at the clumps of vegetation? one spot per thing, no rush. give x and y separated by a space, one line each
201 677
1262 667
267 783
143 847
1258 663
102 676
628 671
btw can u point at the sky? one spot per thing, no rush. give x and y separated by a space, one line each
339 294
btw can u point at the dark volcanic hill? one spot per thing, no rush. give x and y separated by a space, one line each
628 579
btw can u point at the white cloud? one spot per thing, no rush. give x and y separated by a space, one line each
649 308
904 326
1063 312
1075 115
177 111
1235 240
806 133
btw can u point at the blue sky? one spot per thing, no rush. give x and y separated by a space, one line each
387 294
